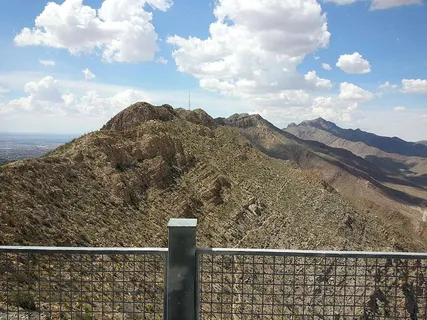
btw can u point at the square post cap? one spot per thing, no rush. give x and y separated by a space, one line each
182 223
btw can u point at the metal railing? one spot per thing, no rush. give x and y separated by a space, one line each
186 282
82 283
283 284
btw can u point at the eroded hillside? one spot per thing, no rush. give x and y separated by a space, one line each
120 185
403 162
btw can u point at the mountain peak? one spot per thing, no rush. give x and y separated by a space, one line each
141 112
320 123
315 130
245 120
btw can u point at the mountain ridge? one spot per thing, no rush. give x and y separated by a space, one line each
386 144
405 173
248 183
148 164
346 159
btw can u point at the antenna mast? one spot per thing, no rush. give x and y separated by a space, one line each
189 100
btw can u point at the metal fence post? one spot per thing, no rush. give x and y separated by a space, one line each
181 270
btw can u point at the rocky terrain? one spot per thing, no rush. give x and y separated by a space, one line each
390 145
403 163
158 163
248 183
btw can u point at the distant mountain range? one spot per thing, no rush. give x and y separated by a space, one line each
160 162
312 130
402 160
249 184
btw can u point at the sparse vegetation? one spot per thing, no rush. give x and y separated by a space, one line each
121 182
120 185
395 163
24 300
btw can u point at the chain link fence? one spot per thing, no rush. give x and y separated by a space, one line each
82 283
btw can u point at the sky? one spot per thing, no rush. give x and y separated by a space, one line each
69 66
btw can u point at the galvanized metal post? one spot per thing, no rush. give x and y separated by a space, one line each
181 270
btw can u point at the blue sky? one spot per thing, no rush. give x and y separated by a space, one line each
69 66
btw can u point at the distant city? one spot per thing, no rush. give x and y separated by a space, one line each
19 146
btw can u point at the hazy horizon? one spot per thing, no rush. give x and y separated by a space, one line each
319 61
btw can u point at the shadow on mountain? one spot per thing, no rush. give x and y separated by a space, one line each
378 169
390 165
362 168
398 168
307 153
299 157
387 144
393 193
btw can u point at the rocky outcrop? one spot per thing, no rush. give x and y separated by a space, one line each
245 120
137 114
141 112
213 193
197 116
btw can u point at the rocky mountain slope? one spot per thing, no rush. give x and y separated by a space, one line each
396 158
248 183
148 164
391 145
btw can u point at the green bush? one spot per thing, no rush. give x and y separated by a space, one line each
24 300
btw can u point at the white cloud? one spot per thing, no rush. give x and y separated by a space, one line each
387 85
47 96
414 86
47 63
286 99
252 52
162 60
121 29
88 74
84 106
42 96
44 90
319 83
340 2
326 66
341 108
399 109
344 107
387 4
316 57
353 63
335 109
351 92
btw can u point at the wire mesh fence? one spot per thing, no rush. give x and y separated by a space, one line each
185 282
257 284
82 283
